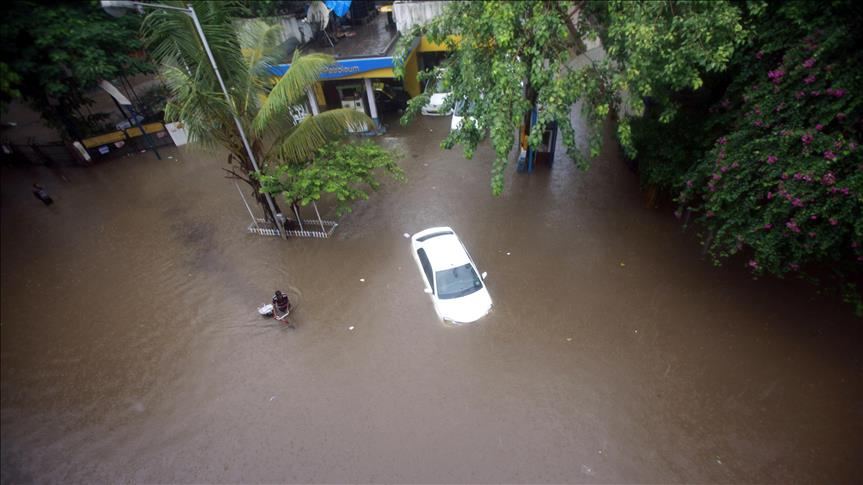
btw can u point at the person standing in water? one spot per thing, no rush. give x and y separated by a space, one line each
40 193
281 308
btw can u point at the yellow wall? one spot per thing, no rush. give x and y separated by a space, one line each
412 84
426 46
319 93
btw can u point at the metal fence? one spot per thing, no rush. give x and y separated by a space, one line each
103 147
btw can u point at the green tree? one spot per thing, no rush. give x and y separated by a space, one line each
53 54
781 179
343 170
265 105
510 57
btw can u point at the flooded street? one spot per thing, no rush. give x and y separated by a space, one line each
132 350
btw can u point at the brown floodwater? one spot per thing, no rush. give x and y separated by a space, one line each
132 351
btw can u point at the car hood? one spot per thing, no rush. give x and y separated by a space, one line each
466 309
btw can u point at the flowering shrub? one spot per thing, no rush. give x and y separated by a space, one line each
784 181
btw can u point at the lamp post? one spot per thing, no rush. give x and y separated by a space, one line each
117 8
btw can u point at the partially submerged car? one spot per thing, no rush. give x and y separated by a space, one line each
439 94
460 116
450 276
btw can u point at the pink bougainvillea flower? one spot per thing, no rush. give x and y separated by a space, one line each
776 76
769 195
815 93
806 138
689 183
829 155
819 127
723 169
828 179
840 116
809 79
797 202
722 140
833 221
799 94
813 217
771 159
784 176
716 176
808 63
792 226
753 264
735 165
758 123
768 226
837 93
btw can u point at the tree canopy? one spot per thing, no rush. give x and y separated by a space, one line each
509 57
52 54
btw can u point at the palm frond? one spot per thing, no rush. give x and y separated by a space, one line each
262 48
171 38
203 112
315 131
291 88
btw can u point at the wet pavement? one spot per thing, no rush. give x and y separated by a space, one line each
132 352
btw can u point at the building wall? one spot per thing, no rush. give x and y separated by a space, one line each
408 14
412 84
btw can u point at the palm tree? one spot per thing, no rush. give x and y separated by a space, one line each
244 54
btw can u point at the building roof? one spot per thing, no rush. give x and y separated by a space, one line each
372 39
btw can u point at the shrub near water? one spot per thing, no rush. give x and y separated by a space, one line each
785 181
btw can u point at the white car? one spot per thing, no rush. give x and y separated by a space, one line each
458 116
438 97
450 276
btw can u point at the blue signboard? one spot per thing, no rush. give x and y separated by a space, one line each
344 67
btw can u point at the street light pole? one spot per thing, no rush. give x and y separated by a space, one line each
113 7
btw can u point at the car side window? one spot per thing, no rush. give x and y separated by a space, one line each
424 261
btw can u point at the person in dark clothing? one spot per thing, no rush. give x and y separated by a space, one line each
40 193
281 307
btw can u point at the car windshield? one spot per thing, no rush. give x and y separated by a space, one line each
457 282
462 108
458 109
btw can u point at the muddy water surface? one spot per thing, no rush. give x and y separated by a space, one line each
131 350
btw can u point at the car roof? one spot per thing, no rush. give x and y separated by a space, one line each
445 252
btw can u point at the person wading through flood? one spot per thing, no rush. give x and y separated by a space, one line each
281 308
42 194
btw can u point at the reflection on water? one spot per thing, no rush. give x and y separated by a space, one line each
132 349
